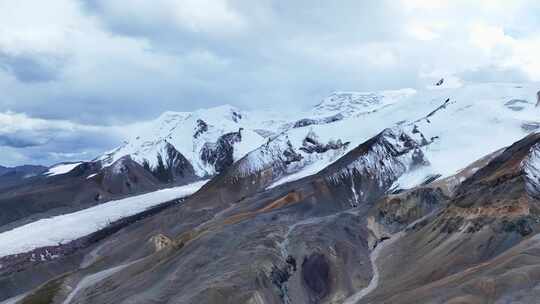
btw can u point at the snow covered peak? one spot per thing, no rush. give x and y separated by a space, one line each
193 136
349 103
167 122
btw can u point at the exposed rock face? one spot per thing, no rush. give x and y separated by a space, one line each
531 169
308 121
161 241
311 144
236 116
290 155
316 276
172 166
376 165
395 212
221 154
126 176
202 127
440 82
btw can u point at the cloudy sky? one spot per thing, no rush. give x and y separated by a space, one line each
74 72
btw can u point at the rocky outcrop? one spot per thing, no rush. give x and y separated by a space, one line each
171 166
368 171
316 277
395 212
309 121
160 241
236 117
311 144
201 128
221 153
126 177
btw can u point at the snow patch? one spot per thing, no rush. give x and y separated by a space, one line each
61 169
67 227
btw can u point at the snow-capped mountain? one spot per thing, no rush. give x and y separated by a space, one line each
455 126
447 119
198 144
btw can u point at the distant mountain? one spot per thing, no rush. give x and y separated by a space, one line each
11 176
29 170
3 170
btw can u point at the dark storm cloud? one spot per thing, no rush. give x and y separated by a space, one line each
31 68
16 140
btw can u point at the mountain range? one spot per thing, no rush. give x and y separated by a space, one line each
407 196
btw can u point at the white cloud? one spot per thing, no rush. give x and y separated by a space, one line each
29 139
422 32
11 122
506 51
76 63
205 16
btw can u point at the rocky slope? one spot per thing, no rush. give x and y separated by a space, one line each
477 247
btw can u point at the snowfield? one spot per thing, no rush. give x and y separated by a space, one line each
61 169
67 227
